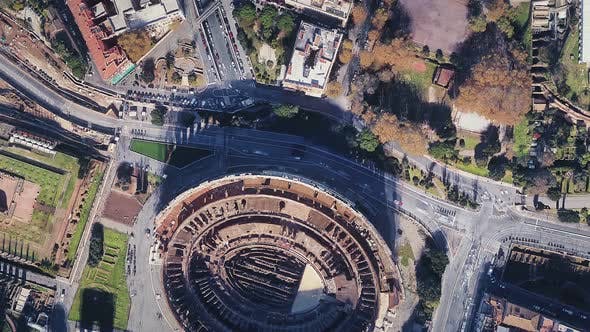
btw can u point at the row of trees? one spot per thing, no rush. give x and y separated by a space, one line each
429 272
268 22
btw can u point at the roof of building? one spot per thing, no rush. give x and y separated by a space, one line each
170 6
108 60
123 6
146 16
117 23
98 9
314 53
522 323
338 8
443 76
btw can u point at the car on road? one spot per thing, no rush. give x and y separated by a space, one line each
398 202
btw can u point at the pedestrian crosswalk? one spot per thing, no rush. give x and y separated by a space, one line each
445 211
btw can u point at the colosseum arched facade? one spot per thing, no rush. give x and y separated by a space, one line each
271 253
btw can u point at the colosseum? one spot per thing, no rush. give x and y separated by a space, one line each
270 253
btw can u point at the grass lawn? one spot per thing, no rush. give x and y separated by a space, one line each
84 214
405 254
421 80
508 177
473 169
51 183
150 149
470 141
576 76
107 278
523 28
523 137
180 157
60 160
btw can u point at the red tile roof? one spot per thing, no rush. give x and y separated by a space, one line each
109 61
443 76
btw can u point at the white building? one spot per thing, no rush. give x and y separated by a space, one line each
313 55
339 9
146 16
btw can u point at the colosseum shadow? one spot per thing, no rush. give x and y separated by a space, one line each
97 310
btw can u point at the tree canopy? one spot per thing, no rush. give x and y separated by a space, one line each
158 114
286 111
444 150
345 54
246 14
408 136
286 23
569 216
95 249
496 90
367 140
554 194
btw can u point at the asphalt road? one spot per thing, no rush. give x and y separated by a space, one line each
567 201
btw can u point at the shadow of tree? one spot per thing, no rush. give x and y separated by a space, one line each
405 101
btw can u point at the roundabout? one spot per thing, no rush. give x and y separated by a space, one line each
267 253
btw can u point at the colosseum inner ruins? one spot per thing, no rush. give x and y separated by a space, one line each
270 253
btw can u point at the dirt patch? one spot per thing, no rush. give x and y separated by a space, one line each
413 235
267 53
440 24
18 198
419 66
121 207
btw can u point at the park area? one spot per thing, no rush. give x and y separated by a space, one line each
83 214
571 77
174 155
48 185
103 297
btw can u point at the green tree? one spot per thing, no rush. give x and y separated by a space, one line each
95 249
147 70
569 216
246 14
170 59
478 24
497 167
188 119
439 55
267 17
286 111
158 114
584 214
176 78
367 140
443 150
286 23
425 51
554 194
505 25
